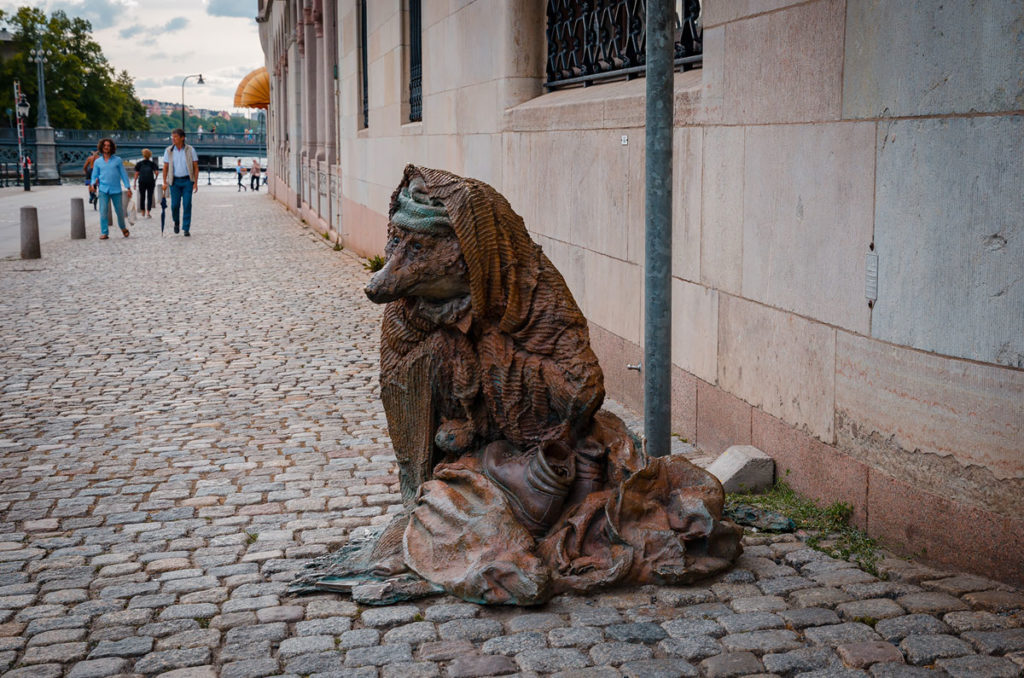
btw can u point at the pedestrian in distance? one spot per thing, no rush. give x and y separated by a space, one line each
240 172
87 168
254 175
182 163
145 180
108 176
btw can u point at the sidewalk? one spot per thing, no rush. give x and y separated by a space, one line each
185 422
53 207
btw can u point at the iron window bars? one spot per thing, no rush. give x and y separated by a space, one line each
415 62
592 40
364 66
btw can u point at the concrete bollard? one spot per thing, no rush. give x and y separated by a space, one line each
30 233
77 219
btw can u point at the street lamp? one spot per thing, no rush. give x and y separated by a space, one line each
200 81
22 110
39 56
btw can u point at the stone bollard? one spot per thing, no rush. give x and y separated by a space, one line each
30 233
77 219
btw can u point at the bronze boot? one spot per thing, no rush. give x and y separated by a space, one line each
590 463
535 483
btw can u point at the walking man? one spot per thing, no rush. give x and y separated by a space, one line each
183 163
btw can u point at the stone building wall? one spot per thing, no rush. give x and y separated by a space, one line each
818 135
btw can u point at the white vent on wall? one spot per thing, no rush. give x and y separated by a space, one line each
871 276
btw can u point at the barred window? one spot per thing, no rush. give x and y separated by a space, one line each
415 61
590 41
364 67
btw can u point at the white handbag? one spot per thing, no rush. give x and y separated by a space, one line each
131 212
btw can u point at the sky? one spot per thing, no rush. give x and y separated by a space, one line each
159 43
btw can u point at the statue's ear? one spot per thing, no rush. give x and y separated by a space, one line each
418 190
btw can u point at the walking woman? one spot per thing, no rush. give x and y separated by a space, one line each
254 175
145 179
240 171
108 176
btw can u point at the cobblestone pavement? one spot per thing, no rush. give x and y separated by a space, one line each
53 212
184 422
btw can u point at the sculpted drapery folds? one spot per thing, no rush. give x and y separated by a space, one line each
516 485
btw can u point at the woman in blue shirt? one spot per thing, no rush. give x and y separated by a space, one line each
108 175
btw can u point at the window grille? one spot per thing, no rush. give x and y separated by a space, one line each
593 40
364 67
415 62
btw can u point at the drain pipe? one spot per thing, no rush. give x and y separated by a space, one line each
658 226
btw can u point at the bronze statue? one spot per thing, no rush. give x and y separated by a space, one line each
516 485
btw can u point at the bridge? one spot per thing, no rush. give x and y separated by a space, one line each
73 146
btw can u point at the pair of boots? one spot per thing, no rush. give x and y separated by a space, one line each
541 482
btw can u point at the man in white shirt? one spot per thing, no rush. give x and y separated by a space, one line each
183 162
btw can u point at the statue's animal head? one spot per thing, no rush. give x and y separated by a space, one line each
424 259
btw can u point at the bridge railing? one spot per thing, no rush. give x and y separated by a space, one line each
10 135
156 138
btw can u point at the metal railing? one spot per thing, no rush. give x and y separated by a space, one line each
593 40
10 135
156 138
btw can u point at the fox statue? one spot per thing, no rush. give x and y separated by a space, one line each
515 484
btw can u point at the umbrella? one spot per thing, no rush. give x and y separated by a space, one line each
163 213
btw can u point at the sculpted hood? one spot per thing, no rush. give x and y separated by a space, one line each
503 262
540 378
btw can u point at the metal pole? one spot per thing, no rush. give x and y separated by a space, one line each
30 233
194 75
658 218
21 130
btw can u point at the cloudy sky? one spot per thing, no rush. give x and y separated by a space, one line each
159 43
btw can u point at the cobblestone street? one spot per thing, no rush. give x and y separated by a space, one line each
185 422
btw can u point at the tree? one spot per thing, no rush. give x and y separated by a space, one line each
236 125
82 90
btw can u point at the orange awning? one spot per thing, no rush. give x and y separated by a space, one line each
254 90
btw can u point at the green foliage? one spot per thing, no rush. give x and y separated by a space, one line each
82 89
374 263
829 527
236 125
